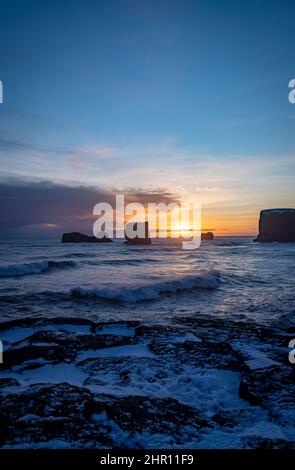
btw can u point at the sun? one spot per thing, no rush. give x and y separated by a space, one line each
181 229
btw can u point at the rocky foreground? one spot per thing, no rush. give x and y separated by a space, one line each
195 383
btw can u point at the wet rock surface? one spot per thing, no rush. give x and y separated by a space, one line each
192 382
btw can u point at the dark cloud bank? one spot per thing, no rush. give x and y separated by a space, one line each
48 209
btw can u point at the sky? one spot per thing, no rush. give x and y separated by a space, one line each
178 99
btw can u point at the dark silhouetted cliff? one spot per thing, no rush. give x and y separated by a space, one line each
276 225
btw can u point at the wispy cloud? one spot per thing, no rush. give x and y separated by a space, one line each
19 144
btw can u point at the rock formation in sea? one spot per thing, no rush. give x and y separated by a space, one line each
77 237
207 236
146 240
276 225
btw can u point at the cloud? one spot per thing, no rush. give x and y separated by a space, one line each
79 158
18 144
46 207
153 196
88 151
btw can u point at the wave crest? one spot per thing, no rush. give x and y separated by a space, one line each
37 267
204 280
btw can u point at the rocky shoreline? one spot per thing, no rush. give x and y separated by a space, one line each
191 382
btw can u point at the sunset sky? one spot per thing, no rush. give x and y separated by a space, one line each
166 99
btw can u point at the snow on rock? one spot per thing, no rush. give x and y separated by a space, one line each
191 382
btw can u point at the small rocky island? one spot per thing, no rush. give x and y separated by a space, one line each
145 240
276 225
77 237
207 236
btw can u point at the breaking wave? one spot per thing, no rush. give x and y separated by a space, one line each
205 280
33 268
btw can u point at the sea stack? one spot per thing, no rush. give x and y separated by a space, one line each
146 240
276 225
77 237
207 236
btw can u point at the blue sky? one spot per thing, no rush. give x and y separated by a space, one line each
185 96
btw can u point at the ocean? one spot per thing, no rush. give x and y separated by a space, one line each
228 277
147 347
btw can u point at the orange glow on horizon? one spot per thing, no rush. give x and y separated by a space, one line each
220 221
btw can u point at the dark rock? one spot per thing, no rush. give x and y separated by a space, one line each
256 442
40 322
162 330
145 240
276 225
59 345
224 418
8 382
17 323
74 342
200 354
13 357
157 415
76 237
207 236
245 392
173 385
82 418
224 330
272 387
51 412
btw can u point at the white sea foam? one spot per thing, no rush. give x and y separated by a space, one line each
203 280
36 267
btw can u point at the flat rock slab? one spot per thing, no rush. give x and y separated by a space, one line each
76 383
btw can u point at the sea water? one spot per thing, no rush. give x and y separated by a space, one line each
229 277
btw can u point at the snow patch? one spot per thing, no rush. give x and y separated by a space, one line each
49 373
137 350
